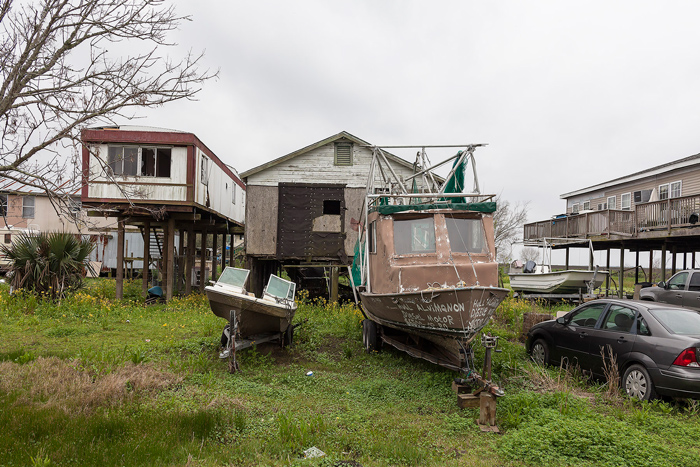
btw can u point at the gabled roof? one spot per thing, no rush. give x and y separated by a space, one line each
330 139
659 169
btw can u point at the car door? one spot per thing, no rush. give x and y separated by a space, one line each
672 292
572 340
615 334
691 297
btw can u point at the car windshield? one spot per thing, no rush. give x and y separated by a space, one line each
678 320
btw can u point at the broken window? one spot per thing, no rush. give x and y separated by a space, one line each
466 235
331 206
414 236
205 170
135 161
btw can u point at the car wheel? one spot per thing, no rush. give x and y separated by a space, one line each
540 352
638 384
370 336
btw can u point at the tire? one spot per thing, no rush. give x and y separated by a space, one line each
540 352
288 336
638 384
370 336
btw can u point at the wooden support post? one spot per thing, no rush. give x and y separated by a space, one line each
566 263
214 253
636 267
146 257
674 251
590 259
692 261
334 284
189 260
621 292
651 266
487 411
663 262
120 259
685 260
169 263
230 251
203 262
607 267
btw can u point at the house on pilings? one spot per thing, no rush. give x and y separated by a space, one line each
303 210
172 188
651 210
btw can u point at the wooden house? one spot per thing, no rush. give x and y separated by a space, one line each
165 180
653 209
303 208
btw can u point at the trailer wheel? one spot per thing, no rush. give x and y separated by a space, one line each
370 336
288 336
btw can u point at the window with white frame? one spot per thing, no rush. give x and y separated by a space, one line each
663 191
675 189
611 202
574 208
233 193
3 205
139 161
626 201
28 207
586 205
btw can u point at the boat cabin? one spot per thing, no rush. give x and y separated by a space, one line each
430 249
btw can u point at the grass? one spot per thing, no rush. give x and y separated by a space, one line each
95 381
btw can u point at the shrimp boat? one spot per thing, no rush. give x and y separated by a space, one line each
425 269
253 319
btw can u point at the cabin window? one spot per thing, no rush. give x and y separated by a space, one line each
343 153
331 206
233 193
8 238
205 170
602 206
3 205
372 238
414 236
574 208
611 202
28 207
675 189
135 161
663 191
586 205
466 235
626 201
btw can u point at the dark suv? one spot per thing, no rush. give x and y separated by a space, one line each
683 288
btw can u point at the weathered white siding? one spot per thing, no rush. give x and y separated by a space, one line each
173 188
318 166
216 190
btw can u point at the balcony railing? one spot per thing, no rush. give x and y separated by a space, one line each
656 215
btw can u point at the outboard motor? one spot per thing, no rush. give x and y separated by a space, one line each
529 267
693 219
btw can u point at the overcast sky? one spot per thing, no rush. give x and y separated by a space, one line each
566 94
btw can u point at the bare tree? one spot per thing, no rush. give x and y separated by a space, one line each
508 223
529 254
59 77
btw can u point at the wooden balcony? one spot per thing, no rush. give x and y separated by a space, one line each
654 219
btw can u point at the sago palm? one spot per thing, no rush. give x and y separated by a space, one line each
50 263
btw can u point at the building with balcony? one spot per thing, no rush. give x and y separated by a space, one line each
651 210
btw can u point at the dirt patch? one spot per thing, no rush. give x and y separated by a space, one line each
57 383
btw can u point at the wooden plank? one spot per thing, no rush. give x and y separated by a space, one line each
487 409
460 388
465 401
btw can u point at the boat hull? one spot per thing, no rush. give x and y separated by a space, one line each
438 313
560 282
254 315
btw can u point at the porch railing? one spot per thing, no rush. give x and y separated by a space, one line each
656 215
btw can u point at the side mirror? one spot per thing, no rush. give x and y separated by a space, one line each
663 285
561 320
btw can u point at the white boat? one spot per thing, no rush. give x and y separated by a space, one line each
535 278
272 313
